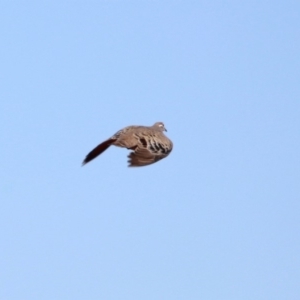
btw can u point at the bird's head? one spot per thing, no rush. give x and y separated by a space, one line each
160 126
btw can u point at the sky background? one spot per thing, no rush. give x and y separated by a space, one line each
218 219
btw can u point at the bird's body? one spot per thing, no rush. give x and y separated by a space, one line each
148 144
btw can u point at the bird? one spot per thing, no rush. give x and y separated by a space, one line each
148 144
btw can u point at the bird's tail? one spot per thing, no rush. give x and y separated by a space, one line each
97 150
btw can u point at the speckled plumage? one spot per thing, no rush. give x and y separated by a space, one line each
148 144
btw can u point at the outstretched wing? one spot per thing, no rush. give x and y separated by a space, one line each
149 150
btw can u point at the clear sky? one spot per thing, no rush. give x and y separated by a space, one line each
216 220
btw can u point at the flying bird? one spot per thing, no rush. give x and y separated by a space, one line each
148 144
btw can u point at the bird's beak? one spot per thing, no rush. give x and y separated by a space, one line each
165 129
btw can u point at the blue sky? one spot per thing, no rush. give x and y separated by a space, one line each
218 218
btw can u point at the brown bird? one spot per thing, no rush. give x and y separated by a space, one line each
148 144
